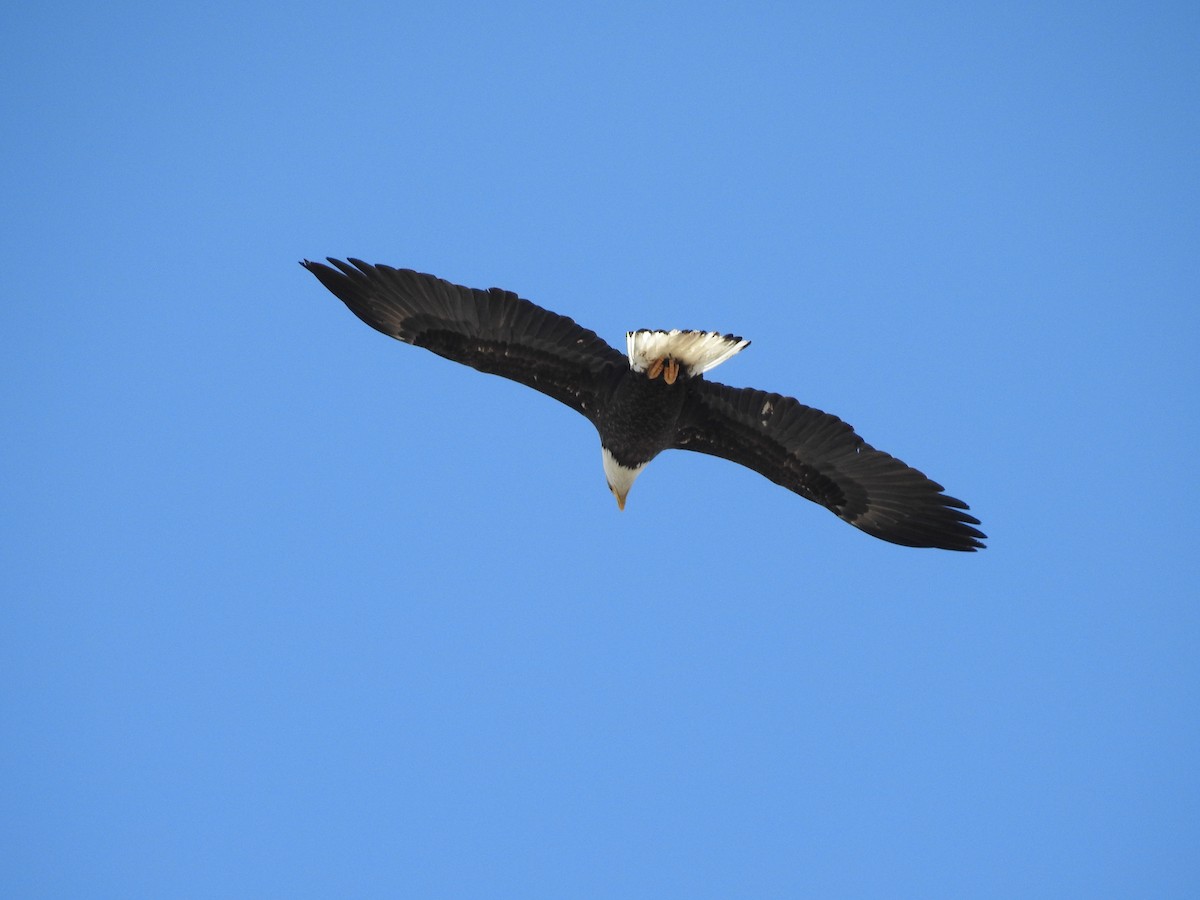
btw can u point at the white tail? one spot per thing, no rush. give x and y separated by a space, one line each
696 351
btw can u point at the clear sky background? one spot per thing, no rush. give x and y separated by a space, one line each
293 610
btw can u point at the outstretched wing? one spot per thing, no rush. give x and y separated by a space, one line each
493 331
819 456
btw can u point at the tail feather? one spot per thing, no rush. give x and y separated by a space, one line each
696 351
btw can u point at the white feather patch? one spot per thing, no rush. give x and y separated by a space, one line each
696 351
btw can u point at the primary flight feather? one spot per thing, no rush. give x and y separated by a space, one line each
655 397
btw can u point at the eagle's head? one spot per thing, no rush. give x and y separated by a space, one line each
620 478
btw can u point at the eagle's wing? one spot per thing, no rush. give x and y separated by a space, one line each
820 457
493 331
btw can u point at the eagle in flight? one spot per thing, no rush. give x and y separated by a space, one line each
655 397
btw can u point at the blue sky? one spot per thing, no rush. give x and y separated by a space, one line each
291 609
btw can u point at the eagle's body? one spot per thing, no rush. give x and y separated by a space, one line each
641 418
656 398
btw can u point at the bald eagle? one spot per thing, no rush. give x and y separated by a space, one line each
655 397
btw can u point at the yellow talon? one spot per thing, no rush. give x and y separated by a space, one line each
655 370
671 372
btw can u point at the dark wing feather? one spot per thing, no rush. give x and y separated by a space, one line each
820 457
493 331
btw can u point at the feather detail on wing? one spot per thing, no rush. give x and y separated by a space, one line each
820 457
493 331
